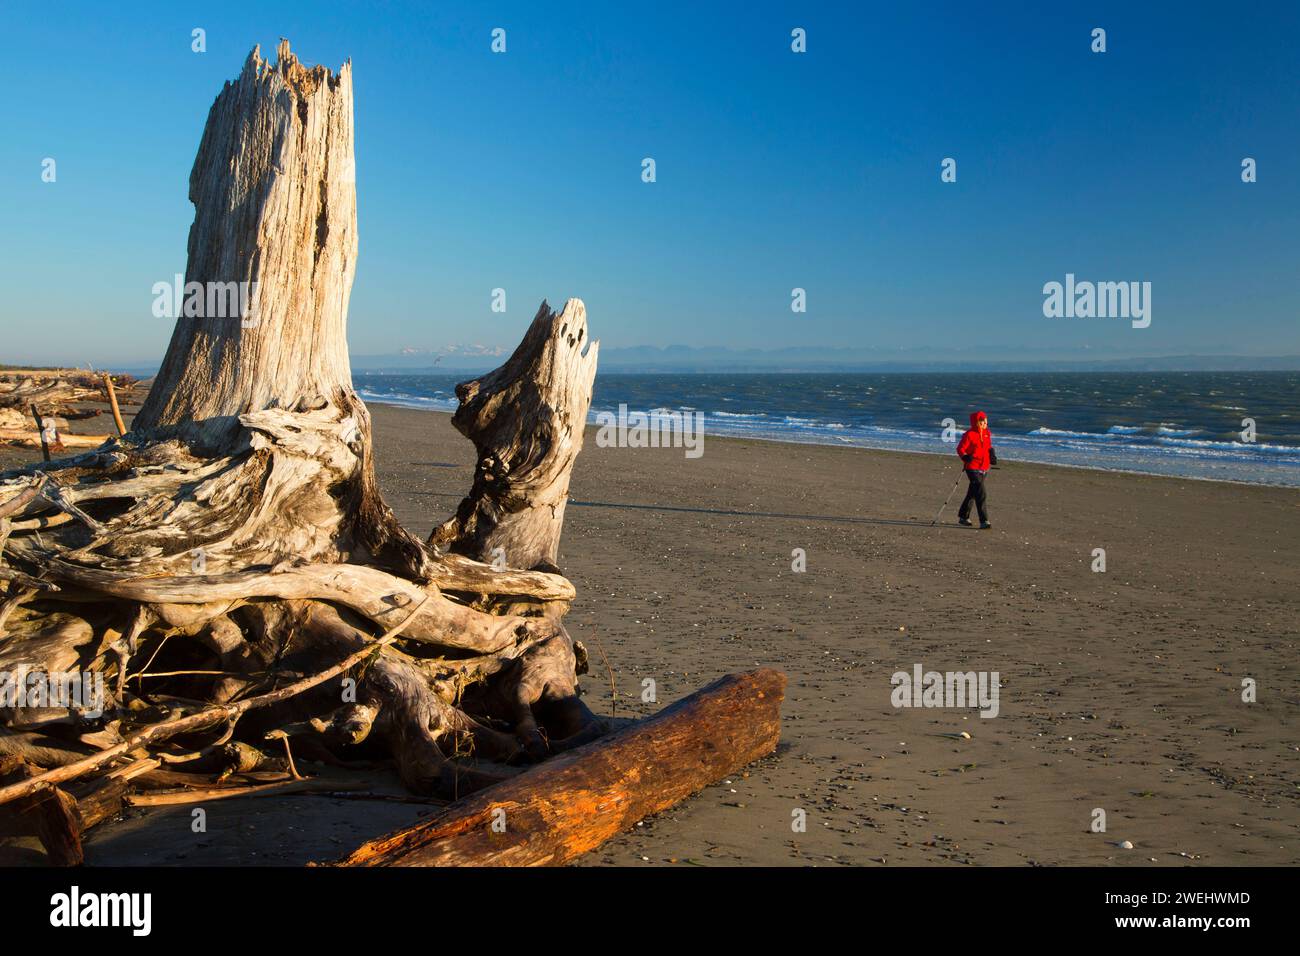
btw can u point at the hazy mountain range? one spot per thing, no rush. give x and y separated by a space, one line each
687 359
683 358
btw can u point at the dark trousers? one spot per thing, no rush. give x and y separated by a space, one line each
975 494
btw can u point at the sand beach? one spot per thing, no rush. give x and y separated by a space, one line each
1119 690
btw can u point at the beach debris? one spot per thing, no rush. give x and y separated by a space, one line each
50 390
230 573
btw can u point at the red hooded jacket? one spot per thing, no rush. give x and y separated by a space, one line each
977 444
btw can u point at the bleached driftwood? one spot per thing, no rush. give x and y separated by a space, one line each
231 570
526 420
235 540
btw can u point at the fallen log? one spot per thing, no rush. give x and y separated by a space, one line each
75 375
33 438
576 801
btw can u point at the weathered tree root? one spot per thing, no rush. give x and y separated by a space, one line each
228 568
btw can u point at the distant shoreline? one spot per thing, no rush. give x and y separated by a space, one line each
1223 426
714 436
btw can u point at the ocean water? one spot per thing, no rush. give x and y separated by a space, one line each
1187 424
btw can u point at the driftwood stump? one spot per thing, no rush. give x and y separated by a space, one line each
526 420
229 568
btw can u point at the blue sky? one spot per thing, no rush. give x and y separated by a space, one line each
775 170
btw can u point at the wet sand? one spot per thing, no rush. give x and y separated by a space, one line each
1119 690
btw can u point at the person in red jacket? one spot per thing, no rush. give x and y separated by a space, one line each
976 451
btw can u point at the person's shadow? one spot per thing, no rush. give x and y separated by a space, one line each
728 512
842 519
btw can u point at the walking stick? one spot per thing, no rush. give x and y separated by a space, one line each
946 500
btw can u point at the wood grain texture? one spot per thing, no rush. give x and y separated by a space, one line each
274 193
574 802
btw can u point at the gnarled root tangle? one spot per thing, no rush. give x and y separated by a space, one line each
178 583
